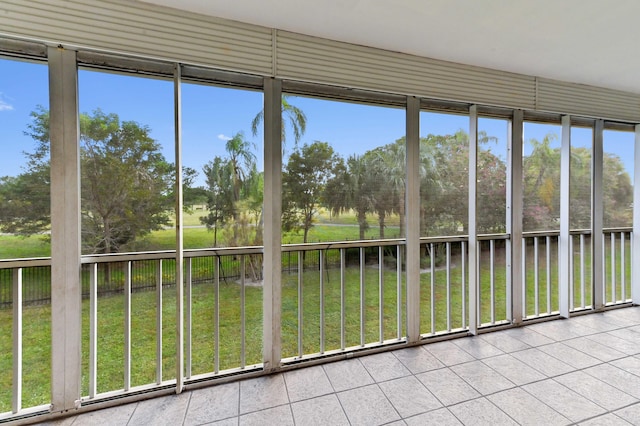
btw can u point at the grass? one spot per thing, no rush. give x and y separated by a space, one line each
15 247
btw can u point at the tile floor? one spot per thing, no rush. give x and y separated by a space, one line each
585 371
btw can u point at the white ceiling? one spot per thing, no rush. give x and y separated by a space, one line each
593 42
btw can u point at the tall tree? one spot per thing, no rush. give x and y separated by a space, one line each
291 114
387 165
125 182
234 187
351 188
541 185
303 182
220 204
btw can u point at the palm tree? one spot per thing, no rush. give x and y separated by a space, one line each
351 188
389 167
290 113
242 161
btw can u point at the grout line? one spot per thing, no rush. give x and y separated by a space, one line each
184 418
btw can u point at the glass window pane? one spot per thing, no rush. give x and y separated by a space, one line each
345 178
24 165
541 177
223 166
617 187
24 226
444 186
492 175
223 175
127 152
580 181
127 170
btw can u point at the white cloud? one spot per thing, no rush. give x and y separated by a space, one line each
223 137
4 105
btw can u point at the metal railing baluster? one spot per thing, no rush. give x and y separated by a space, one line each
432 295
159 323
381 293
536 277
623 267
492 274
399 292
582 273
362 300
93 329
448 246
16 399
300 303
188 316
127 324
243 316
612 240
548 250
216 314
463 280
321 259
342 299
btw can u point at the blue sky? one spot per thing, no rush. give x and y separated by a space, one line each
211 115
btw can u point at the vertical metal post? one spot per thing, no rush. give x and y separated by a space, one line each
612 237
564 246
16 400
448 281
536 275
216 314
572 275
583 273
463 286
623 269
413 218
66 291
548 248
93 329
362 298
635 236
472 226
432 286
343 263
188 315
597 218
300 303
515 284
321 258
399 291
159 285
272 294
381 293
524 278
243 313
127 325
177 109
492 273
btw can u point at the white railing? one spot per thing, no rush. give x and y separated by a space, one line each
539 274
337 297
13 279
370 275
617 268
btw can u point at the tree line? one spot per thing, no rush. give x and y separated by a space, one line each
127 185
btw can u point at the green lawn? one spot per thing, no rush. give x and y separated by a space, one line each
328 228
13 247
